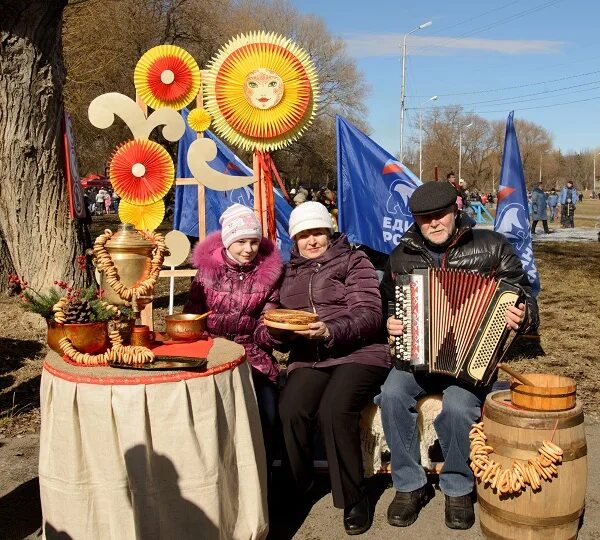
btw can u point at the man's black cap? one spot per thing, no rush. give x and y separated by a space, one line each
432 197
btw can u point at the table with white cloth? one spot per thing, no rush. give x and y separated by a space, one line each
131 454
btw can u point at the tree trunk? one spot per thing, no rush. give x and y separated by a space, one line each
35 224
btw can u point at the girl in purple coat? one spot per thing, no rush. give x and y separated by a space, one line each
237 280
338 365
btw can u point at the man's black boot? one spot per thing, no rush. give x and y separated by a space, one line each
459 512
357 518
405 508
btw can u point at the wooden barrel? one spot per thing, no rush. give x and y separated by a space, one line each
550 393
554 512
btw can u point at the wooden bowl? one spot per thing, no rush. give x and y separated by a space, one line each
551 393
289 319
185 326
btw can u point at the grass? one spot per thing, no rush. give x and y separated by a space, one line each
587 213
570 317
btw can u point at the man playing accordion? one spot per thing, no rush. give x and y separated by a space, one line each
442 237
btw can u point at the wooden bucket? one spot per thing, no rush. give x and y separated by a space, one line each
550 393
554 512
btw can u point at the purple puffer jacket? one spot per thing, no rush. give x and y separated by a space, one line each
237 295
341 286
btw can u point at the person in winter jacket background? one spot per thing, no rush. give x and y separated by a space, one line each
237 280
552 201
568 199
336 366
538 206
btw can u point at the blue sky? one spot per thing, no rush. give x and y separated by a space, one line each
475 50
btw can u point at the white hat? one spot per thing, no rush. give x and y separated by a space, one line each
239 222
309 215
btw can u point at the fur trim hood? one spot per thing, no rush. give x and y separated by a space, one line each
209 257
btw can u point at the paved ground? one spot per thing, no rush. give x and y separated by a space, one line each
20 513
325 522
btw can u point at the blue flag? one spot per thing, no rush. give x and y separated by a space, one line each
512 212
216 202
373 190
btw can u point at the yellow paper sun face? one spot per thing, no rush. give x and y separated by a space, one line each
260 91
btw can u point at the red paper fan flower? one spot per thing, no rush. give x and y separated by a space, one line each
167 76
141 171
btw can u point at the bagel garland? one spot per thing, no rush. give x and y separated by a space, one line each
105 264
118 353
516 479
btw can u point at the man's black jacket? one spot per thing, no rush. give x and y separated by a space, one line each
482 250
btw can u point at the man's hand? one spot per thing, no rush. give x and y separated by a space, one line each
394 326
515 315
316 330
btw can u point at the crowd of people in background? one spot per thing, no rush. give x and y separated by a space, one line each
327 197
101 201
544 205
560 205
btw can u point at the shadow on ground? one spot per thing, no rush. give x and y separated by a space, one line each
287 512
20 511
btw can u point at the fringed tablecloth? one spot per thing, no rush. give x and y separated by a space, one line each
127 454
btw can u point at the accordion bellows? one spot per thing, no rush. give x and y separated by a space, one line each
454 322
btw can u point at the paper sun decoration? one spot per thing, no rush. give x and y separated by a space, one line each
167 76
199 120
260 90
144 217
141 171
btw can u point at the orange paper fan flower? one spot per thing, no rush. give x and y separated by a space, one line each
144 217
141 171
167 76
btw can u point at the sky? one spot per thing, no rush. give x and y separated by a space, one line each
540 58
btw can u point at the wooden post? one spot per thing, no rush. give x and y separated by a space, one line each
146 314
257 187
201 188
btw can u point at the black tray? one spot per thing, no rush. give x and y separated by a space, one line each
166 363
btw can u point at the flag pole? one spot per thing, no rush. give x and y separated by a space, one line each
339 175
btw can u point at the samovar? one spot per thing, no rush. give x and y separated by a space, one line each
132 255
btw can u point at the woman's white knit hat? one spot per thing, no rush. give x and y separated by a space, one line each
309 215
239 222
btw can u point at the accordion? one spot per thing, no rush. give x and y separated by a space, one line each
454 322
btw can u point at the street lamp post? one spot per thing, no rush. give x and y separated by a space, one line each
403 88
460 149
432 98
541 156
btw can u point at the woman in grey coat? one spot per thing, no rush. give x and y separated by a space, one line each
538 207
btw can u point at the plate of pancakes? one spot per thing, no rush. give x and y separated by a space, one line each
289 319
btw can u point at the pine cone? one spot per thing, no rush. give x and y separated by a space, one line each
77 311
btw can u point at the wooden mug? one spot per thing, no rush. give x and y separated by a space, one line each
142 336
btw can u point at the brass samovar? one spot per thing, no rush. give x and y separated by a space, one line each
132 256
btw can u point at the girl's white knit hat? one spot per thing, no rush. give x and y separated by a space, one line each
239 222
